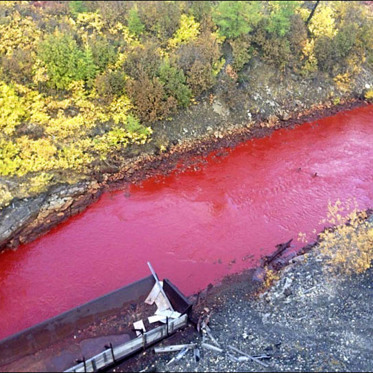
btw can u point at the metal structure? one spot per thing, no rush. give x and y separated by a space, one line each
51 345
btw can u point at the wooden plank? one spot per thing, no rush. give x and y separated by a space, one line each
280 249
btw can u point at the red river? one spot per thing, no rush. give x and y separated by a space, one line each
195 227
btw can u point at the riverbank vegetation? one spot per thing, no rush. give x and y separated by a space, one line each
83 80
346 244
347 248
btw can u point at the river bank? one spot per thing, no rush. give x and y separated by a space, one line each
25 220
197 226
264 100
307 320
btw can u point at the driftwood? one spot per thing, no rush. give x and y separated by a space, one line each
173 348
280 249
248 356
211 347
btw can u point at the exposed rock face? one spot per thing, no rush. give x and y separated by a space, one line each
25 220
18 215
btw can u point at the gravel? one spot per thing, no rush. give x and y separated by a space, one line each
306 321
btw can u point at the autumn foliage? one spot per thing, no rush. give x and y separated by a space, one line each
82 80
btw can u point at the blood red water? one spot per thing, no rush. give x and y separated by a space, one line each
197 226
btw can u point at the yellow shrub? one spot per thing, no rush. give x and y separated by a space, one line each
12 109
124 32
20 32
75 155
323 22
304 13
37 184
369 95
90 21
35 155
119 109
188 31
343 81
63 127
5 195
9 159
348 248
308 51
270 277
115 139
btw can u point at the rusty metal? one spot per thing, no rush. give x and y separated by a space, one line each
48 333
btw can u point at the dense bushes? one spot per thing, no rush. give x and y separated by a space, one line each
65 61
174 83
236 18
80 80
150 98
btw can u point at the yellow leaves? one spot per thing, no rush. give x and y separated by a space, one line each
8 4
91 21
369 94
121 58
188 31
36 108
323 22
217 66
63 127
38 183
119 108
343 81
87 25
9 160
125 34
304 13
5 195
348 248
35 155
115 139
12 109
308 51
75 155
20 32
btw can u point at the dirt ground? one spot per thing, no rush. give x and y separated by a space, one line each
307 320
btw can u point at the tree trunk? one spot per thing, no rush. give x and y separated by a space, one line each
312 12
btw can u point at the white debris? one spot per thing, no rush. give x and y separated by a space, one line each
153 293
157 318
168 313
139 325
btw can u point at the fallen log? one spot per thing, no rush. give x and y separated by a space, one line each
280 249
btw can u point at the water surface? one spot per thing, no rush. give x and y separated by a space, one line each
194 227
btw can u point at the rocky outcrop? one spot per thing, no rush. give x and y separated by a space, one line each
25 220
